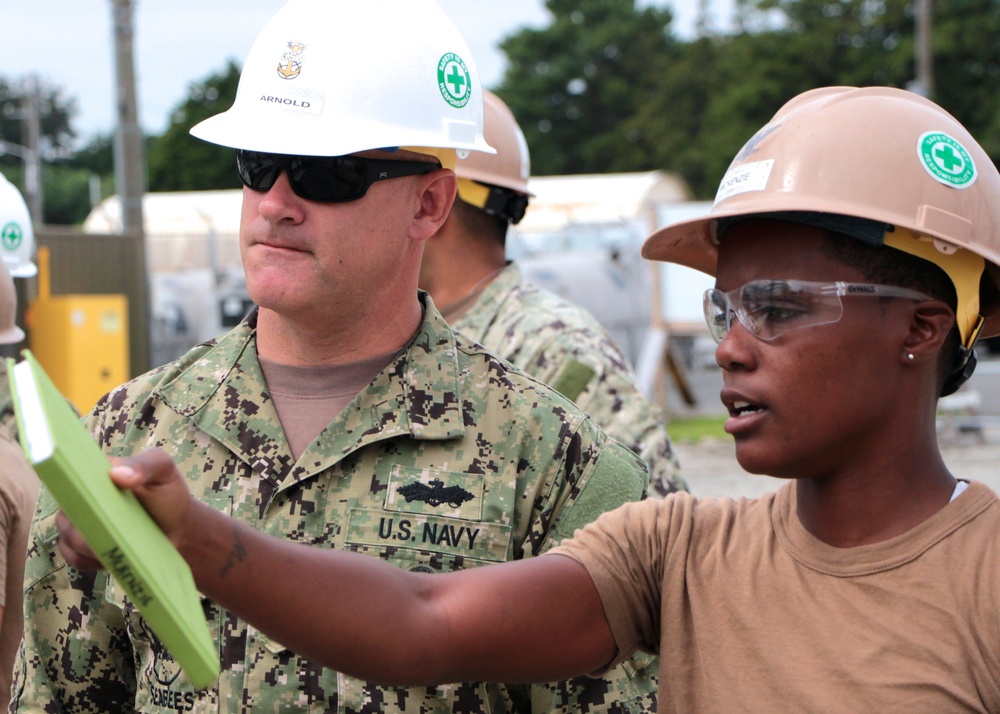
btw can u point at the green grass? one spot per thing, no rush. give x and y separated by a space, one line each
691 429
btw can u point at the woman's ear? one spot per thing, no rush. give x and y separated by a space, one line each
929 327
435 193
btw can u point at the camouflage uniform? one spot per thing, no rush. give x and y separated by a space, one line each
565 347
449 459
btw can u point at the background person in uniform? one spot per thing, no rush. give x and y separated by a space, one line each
482 295
18 491
344 413
846 302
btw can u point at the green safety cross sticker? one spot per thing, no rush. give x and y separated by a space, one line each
454 80
11 235
946 160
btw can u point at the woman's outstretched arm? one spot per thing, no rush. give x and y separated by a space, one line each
538 619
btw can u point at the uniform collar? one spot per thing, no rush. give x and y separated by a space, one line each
418 395
477 319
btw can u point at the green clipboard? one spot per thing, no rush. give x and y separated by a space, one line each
119 530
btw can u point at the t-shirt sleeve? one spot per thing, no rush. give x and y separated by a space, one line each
628 553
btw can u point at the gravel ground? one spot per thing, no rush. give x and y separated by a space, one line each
711 469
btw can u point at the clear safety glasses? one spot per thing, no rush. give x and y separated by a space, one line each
326 179
770 308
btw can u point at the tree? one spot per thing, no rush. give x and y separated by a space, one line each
574 85
966 46
55 113
722 89
179 162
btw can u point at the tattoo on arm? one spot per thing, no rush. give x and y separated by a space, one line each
236 556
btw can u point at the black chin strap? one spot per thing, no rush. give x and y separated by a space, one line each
967 365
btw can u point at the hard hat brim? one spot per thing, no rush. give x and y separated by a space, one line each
11 336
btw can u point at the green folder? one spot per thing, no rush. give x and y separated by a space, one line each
115 525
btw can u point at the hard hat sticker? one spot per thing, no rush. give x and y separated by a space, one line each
946 160
743 178
454 80
290 65
11 236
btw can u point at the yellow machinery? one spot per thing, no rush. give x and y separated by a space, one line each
80 340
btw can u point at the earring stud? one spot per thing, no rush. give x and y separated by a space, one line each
909 356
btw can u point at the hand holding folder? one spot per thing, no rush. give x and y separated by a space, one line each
118 529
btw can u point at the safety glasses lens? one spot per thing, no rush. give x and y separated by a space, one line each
770 308
717 313
773 307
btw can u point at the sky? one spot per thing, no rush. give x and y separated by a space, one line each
177 43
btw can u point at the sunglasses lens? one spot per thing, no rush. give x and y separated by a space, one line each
328 180
325 179
257 170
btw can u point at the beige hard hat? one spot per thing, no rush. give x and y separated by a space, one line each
883 155
510 167
10 333
497 183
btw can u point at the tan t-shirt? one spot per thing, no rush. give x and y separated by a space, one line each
308 398
750 613
19 488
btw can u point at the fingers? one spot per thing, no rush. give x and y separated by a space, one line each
159 486
153 477
148 469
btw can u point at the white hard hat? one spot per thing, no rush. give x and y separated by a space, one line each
330 77
17 237
10 333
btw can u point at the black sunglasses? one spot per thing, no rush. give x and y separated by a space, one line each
326 179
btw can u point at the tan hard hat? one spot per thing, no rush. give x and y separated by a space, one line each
876 153
510 167
10 333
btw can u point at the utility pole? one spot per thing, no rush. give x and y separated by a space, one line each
923 83
130 171
129 155
28 152
32 127
701 20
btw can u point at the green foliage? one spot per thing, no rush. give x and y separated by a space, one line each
688 107
55 113
179 162
67 194
575 85
967 66
98 156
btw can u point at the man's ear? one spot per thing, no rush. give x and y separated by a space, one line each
932 321
435 193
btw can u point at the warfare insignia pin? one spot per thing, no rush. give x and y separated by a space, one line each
435 493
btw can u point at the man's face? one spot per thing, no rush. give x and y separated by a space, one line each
318 260
813 399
